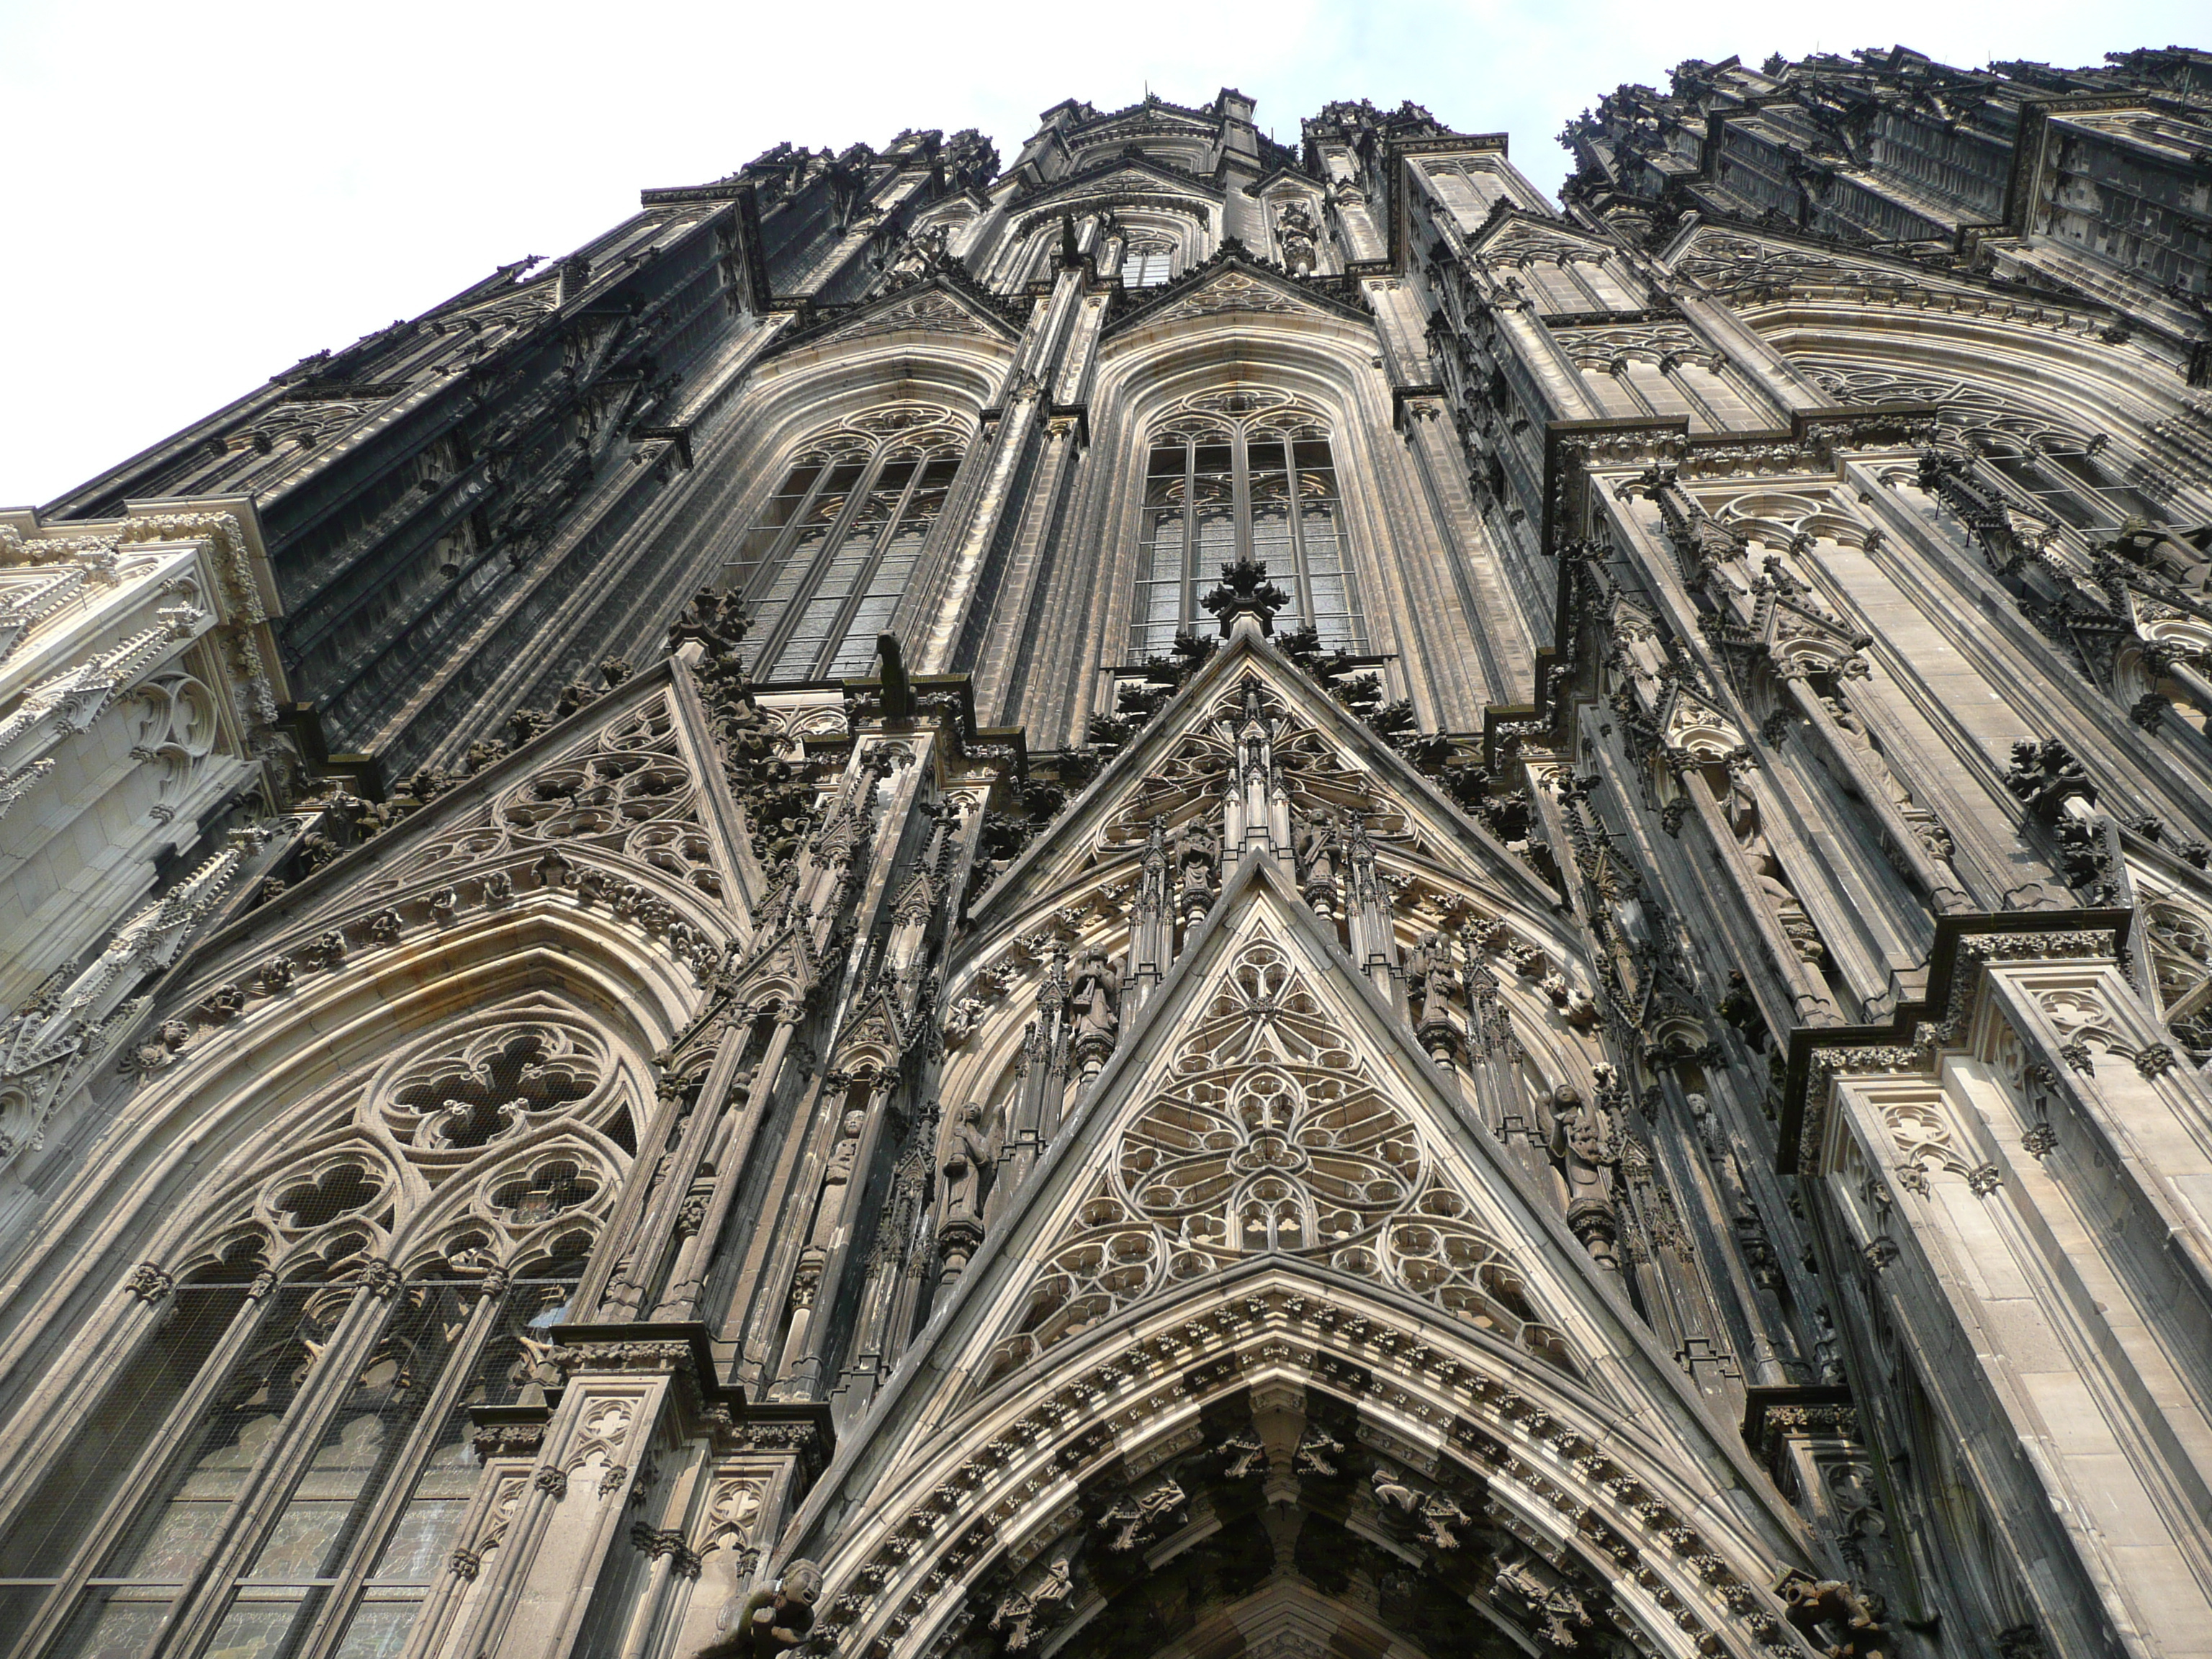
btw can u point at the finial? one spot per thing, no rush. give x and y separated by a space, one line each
1245 591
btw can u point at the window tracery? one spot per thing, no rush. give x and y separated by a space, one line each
1233 473
1147 260
825 564
631 793
1269 1133
497 1150
2048 468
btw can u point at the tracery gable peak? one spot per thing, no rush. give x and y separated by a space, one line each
1174 766
1735 259
1232 281
1120 173
620 808
936 304
1515 232
1265 1105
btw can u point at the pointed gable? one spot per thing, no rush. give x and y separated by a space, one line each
1231 284
1266 1105
1177 762
620 809
935 305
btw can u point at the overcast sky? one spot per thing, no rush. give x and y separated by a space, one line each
196 196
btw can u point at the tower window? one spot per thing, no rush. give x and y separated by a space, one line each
1147 261
825 565
1238 472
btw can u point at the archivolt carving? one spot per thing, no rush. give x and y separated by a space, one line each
1269 1133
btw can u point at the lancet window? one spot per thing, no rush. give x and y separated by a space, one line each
824 566
284 1463
1238 472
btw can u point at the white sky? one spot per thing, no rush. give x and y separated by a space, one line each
198 195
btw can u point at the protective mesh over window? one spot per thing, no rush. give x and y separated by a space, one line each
177 1500
1228 472
122 1530
824 566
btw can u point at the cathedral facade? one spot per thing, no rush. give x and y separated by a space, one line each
1181 900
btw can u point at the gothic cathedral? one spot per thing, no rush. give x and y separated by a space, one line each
1187 900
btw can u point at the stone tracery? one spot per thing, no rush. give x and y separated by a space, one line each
1269 1133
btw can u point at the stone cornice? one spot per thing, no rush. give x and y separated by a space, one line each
1965 944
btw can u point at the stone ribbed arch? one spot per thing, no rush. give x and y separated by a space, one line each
1668 1539
817 387
789 397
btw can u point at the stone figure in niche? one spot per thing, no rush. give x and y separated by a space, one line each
1299 235
1095 996
847 1149
1701 1116
1869 758
1319 838
972 1148
774 1620
1581 1142
1430 977
1743 817
1197 860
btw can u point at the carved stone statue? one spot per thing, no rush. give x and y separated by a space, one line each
1743 817
1581 1142
774 1620
1430 977
1300 237
1198 861
971 1149
1320 837
1095 996
960 1021
847 1149
917 258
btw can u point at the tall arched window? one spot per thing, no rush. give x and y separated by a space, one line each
285 1461
1237 471
825 565
1147 260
